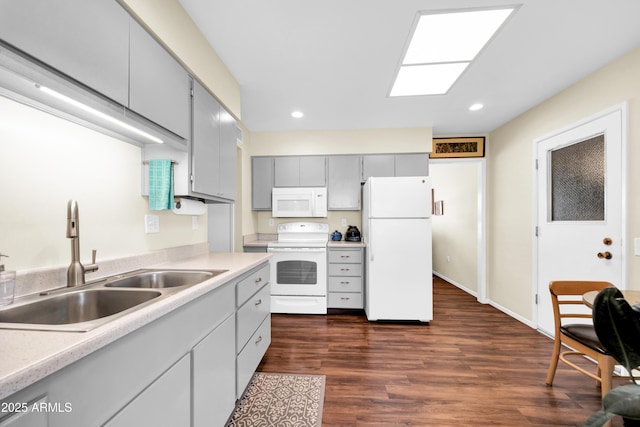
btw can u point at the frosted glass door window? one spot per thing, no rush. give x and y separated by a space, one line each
577 181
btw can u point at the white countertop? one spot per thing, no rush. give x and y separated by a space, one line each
28 356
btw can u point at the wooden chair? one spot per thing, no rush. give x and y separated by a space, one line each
581 338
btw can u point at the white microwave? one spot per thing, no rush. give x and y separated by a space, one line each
303 202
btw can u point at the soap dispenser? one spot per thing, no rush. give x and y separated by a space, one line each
7 283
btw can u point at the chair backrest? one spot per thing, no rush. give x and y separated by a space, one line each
566 298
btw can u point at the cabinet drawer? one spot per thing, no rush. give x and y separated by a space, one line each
345 256
345 269
251 315
345 284
250 357
251 284
345 300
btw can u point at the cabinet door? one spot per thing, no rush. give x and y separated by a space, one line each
166 402
159 86
86 40
300 171
378 165
205 145
29 417
287 171
412 164
228 155
344 183
262 182
313 171
214 379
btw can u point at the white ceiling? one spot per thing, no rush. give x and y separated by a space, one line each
335 60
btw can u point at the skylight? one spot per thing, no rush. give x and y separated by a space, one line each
442 46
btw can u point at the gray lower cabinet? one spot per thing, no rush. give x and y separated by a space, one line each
214 378
344 186
346 276
253 329
27 414
166 402
179 370
86 40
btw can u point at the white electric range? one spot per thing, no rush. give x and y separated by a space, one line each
299 268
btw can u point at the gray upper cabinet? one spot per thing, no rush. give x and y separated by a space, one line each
262 171
213 149
378 165
412 164
205 145
158 85
300 171
86 40
344 182
228 155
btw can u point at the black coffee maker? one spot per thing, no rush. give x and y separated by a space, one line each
352 234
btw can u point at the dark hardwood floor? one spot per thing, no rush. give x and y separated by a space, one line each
472 366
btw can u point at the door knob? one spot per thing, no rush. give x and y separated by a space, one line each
607 241
605 255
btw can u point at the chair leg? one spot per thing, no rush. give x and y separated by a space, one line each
605 366
553 365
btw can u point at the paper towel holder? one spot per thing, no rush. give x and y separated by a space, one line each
183 206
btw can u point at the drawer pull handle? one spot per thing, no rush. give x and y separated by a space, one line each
344 269
259 279
344 283
344 298
259 339
257 303
345 256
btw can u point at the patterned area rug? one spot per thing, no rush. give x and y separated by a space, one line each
280 400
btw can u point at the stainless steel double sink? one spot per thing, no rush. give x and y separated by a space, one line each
89 306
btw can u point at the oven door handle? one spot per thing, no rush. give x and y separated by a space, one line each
305 250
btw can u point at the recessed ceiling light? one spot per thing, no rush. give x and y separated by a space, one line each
476 107
450 41
297 114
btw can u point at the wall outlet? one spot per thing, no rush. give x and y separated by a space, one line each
343 222
194 222
151 224
271 222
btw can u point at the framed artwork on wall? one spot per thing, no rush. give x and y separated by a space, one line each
457 147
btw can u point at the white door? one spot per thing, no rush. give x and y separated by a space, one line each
580 208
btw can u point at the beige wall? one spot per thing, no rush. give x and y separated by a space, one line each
511 182
46 161
455 234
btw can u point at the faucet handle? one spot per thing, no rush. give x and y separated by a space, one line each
94 252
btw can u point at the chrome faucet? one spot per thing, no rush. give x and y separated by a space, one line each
75 273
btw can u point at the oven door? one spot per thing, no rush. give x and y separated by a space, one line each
298 271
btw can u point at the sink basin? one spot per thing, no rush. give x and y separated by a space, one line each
163 278
76 307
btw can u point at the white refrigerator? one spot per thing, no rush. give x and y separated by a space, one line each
396 225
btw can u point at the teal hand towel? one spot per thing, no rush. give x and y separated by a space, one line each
160 185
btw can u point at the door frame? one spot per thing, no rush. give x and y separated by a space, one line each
481 256
622 108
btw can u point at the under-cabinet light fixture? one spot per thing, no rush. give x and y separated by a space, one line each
97 113
442 46
297 114
476 107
